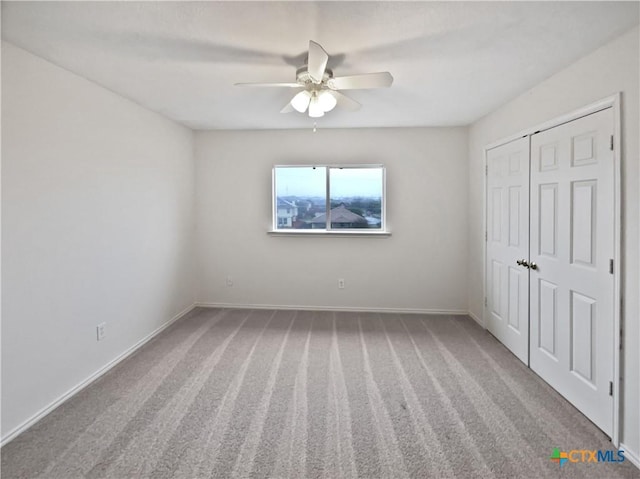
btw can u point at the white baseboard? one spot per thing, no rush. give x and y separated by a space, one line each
632 457
456 312
477 319
79 387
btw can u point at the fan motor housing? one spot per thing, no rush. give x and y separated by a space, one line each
303 77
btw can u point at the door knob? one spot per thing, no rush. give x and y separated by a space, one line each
533 266
522 262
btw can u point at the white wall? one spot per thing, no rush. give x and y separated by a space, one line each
610 69
422 266
97 212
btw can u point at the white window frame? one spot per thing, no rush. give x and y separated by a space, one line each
328 231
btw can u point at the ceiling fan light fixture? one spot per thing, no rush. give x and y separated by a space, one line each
327 101
315 108
319 92
300 102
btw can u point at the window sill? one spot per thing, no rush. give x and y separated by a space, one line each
371 234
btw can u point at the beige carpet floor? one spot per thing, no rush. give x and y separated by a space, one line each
300 394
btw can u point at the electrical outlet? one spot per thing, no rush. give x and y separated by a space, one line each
341 283
101 330
229 281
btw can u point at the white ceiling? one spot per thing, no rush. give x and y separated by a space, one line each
453 62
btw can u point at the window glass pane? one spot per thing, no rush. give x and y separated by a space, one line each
356 197
301 194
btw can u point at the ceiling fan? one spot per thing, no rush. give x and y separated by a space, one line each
320 89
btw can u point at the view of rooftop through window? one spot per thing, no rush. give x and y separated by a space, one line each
355 197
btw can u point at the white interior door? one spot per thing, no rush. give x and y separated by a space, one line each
572 244
507 306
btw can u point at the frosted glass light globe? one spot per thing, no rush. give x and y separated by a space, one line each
315 108
327 101
300 102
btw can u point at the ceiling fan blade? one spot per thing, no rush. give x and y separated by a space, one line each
288 109
280 85
345 102
317 61
357 82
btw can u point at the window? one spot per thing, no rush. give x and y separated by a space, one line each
329 198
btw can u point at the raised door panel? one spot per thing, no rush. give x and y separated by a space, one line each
583 341
515 220
496 212
548 318
548 220
583 222
515 290
496 289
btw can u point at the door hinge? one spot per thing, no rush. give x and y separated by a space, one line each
485 302
621 339
486 236
621 345
611 143
486 170
610 388
611 266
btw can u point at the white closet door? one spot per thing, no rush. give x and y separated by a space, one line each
507 281
572 242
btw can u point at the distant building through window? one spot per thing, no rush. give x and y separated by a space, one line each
329 197
341 217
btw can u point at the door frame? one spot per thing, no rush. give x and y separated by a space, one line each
612 101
